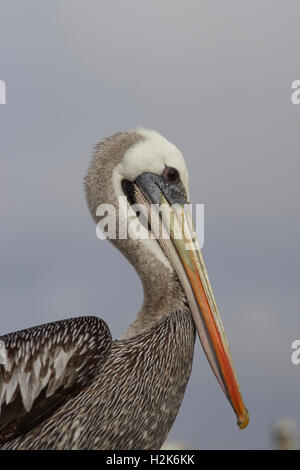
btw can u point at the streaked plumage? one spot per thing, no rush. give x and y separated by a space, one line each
46 365
66 385
134 400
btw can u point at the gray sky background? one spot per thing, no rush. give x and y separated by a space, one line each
214 77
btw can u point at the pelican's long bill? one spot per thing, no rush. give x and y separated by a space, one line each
185 256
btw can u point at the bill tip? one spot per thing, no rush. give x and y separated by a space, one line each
244 420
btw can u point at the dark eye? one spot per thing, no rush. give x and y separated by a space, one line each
171 175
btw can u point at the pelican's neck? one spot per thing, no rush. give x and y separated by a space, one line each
163 294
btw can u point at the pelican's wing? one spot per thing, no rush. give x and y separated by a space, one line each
42 367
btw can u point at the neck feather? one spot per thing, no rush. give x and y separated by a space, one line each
163 294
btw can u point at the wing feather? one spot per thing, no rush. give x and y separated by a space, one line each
43 366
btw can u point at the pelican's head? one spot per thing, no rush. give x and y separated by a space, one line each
150 171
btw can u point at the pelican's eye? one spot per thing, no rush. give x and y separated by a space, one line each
171 175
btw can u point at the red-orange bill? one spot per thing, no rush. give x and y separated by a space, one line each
204 309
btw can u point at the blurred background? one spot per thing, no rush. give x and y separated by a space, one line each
213 77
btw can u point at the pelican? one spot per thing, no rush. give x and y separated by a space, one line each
66 384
